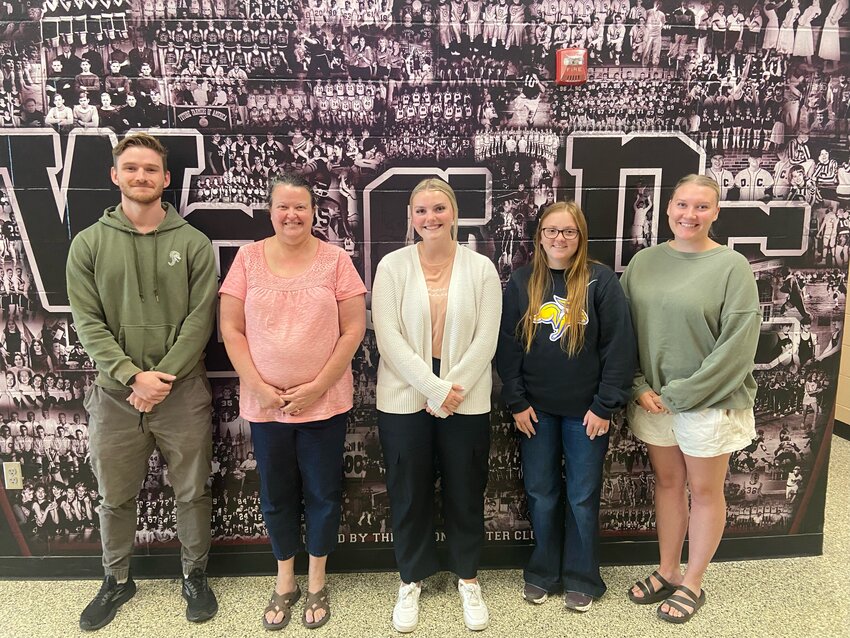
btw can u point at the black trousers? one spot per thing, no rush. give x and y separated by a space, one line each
415 446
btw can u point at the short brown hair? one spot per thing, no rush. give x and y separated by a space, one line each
142 140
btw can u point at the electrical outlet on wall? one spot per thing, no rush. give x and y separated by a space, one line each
12 477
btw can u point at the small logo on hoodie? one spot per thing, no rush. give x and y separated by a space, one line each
173 257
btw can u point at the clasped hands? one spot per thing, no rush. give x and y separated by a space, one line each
452 401
651 402
150 389
290 401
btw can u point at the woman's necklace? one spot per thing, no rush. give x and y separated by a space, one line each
439 266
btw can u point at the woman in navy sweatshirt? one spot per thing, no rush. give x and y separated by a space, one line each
566 357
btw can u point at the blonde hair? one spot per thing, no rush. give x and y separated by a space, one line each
699 180
576 279
431 184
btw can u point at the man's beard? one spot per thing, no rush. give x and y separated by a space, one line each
149 197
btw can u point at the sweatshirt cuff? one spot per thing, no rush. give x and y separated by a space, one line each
667 404
126 371
599 410
520 405
639 390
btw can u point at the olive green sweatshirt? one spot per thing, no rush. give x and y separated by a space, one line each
142 301
697 321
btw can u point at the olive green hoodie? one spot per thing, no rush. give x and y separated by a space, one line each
142 301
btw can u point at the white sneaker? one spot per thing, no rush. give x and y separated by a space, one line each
406 610
475 614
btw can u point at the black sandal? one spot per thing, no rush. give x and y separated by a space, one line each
651 595
314 602
281 603
675 601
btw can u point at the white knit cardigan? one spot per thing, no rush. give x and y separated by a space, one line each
402 319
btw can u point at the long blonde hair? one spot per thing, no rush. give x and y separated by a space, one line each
431 184
576 279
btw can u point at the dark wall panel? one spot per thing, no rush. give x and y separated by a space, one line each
366 98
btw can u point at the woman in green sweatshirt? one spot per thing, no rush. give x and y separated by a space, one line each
695 308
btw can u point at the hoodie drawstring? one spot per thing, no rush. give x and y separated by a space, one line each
138 266
155 265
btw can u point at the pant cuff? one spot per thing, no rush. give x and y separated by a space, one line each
416 576
584 588
549 586
188 566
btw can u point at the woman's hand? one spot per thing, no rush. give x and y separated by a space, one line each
524 421
594 425
270 397
301 397
651 402
453 400
451 403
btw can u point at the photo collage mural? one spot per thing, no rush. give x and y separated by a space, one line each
366 98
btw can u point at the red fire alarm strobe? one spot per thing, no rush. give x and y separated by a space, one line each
571 67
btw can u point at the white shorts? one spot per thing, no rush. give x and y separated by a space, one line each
703 433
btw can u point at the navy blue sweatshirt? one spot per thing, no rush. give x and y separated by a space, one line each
598 378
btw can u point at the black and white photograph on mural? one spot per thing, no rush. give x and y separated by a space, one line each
367 97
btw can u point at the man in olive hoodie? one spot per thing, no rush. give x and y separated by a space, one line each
142 285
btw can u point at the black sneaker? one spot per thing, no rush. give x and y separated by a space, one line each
101 610
202 604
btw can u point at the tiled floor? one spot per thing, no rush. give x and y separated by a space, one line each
794 598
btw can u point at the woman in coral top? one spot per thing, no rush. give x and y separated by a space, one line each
292 316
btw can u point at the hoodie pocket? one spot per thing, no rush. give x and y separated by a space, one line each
146 345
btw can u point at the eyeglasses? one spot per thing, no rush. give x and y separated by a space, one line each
552 233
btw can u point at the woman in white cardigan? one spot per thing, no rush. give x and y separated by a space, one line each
436 307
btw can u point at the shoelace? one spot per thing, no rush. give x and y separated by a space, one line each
471 595
407 595
196 583
107 590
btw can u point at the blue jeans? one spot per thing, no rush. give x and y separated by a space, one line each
566 549
299 461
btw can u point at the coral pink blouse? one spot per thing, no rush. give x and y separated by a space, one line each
292 326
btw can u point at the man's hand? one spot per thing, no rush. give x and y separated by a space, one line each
152 386
140 404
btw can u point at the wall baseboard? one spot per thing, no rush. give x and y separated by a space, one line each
241 563
841 429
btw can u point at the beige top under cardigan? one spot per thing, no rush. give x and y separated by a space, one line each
437 279
402 320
